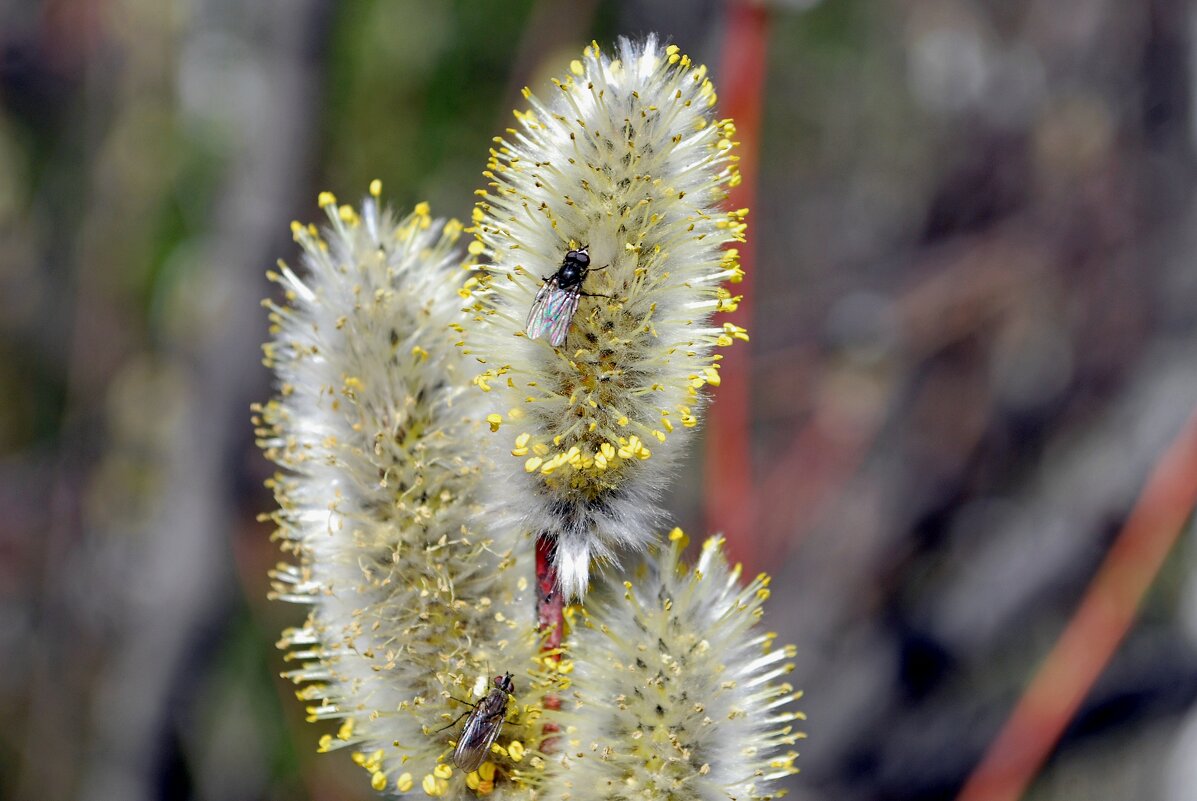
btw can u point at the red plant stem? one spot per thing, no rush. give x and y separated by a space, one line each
1101 621
550 605
550 613
730 499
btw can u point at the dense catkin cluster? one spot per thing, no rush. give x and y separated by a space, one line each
410 502
675 688
628 160
375 425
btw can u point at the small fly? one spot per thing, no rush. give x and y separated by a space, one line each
483 725
557 301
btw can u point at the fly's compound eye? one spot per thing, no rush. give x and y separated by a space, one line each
582 258
573 254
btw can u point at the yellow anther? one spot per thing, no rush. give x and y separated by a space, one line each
326 199
495 421
533 464
376 187
404 782
442 771
378 780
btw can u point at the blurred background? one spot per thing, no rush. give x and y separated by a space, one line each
974 333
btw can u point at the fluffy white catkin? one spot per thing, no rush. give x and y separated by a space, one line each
675 692
628 160
376 427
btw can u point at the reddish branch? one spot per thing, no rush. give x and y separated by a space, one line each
730 500
1095 631
550 606
550 613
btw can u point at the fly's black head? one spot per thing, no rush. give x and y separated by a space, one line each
505 683
573 269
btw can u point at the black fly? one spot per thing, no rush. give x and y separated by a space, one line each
483 725
557 301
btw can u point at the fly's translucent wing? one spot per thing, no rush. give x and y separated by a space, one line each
535 322
553 310
478 734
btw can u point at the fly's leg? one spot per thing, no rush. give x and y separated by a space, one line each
454 723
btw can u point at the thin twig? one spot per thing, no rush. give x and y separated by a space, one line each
1089 641
550 605
730 500
550 613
